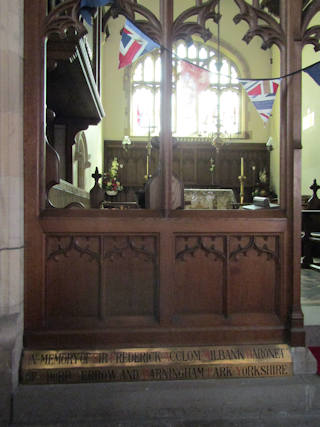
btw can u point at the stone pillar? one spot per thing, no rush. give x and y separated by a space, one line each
11 199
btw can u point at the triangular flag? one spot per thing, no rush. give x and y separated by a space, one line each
195 77
88 8
134 43
262 94
314 72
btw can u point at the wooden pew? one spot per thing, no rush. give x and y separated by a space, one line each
311 229
311 236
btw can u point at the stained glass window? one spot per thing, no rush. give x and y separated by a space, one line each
194 112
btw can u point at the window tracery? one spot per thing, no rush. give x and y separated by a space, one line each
194 112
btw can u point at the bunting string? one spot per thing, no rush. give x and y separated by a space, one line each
135 43
86 6
310 69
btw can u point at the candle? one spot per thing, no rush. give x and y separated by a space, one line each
241 166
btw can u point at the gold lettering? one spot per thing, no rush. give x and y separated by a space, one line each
96 375
59 377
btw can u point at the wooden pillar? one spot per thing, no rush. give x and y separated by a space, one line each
291 95
166 16
34 154
34 102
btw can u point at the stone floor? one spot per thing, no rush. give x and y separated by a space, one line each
310 287
256 402
310 302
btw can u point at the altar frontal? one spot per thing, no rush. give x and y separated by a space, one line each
155 364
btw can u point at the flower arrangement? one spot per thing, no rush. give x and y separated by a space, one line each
110 181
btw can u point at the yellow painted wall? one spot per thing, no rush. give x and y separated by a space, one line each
113 95
310 116
256 63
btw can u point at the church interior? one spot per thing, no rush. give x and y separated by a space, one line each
129 107
165 203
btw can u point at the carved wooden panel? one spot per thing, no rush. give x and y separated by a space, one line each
130 275
254 274
204 176
93 279
199 274
227 275
189 166
72 277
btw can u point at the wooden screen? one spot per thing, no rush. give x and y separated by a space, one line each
98 277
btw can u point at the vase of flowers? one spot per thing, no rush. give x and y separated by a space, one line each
111 183
111 192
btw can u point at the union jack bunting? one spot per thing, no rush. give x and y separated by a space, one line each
262 94
134 43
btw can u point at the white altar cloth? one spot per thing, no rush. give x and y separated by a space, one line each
209 198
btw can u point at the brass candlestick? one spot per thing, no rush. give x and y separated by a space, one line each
242 178
148 147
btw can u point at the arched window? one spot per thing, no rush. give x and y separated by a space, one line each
194 112
145 95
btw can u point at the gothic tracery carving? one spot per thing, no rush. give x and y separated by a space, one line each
201 244
151 26
183 29
310 35
63 247
252 244
64 18
270 32
144 246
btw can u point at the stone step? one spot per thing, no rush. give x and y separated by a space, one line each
216 398
293 401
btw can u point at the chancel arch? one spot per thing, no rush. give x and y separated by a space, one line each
126 275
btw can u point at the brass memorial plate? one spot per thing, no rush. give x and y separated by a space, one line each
155 364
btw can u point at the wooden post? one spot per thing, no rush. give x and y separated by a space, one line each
166 15
291 93
34 159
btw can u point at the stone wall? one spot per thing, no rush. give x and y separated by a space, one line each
11 198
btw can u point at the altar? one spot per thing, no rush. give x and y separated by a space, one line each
209 198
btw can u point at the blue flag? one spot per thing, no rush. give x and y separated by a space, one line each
88 8
314 72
